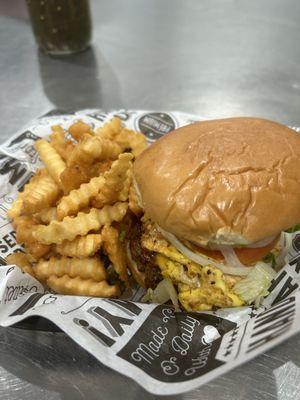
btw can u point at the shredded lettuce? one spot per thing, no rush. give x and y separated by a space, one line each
122 235
270 259
255 286
293 229
163 292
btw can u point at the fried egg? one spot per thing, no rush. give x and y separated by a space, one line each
199 287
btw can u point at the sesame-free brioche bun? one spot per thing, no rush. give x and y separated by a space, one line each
231 181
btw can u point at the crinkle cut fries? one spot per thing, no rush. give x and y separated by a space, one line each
71 215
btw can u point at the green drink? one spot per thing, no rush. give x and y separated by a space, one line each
61 26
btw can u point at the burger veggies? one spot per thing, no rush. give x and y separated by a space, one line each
216 197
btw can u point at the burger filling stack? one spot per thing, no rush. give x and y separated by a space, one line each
217 198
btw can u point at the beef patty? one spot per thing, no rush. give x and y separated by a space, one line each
144 258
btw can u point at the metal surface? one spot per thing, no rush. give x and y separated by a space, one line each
215 58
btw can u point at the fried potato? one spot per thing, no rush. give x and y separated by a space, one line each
46 215
86 268
81 246
58 129
70 227
82 287
115 179
52 160
92 149
80 129
129 139
42 195
22 261
79 198
72 177
61 145
110 129
115 251
17 205
124 193
16 208
103 166
24 226
60 215
126 138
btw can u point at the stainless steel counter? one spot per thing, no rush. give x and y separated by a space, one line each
214 58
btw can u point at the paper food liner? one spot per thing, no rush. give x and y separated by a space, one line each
164 351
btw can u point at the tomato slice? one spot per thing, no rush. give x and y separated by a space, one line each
251 256
246 255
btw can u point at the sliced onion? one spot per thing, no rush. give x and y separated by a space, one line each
129 256
163 292
230 257
201 259
261 243
285 244
138 193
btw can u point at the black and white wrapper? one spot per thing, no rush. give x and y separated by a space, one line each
166 352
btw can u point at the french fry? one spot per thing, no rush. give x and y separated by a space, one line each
115 181
21 260
103 166
80 129
70 227
86 268
124 193
64 215
42 195
24 226
52 160
61 145
110 129
79 198
81 246
59 129
115 252
135 141
46 215
92 149
133 202
72 177
82 287
17 206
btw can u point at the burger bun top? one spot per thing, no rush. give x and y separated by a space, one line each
231 181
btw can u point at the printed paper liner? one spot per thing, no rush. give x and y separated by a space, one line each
163 351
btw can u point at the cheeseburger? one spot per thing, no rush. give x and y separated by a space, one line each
217 197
